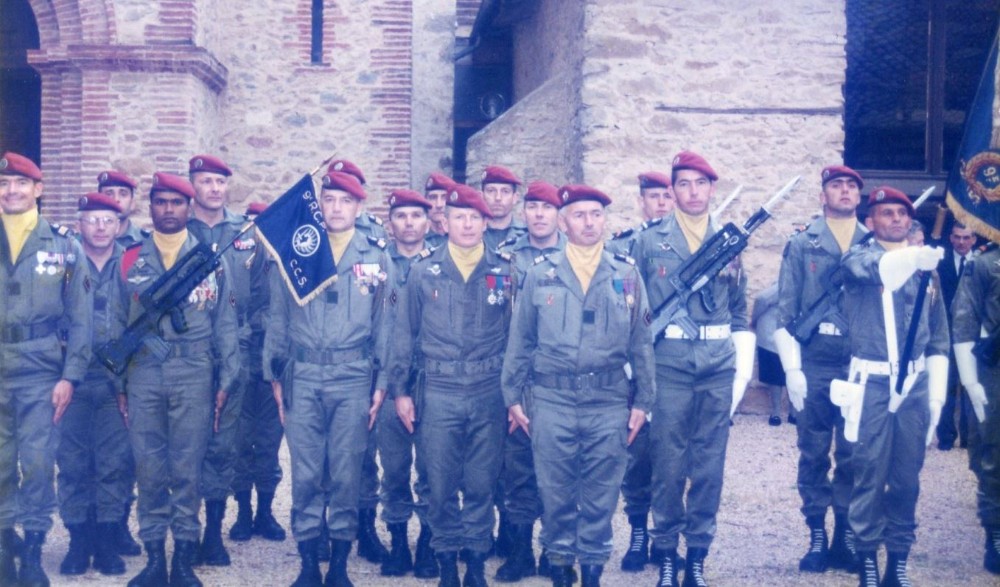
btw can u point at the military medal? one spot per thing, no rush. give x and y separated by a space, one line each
491 284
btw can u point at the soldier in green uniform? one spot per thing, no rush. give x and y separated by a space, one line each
810 261
121 187
454 315
170 389
500 187
94 455
522 505
698 381
331 349
436 190
580 316
894 428
45 287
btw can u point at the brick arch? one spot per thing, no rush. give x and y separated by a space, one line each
69 22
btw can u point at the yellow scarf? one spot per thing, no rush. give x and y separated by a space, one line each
169 246
466 259
893 246
339 242
584 261
843 231
693 228
18 227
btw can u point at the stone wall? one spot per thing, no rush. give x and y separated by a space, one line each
433 88
547 44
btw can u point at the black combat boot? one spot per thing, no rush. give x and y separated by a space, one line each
991 560
336 576
399 562
562 576
124 543
590 575
520 562
694 570
544 566
323 548
8 570
107 561
475 570
637 555
868 570
369 546
181 571
425 566
155 572
213 551
448 563
505 537
669 569
264 524
842 554
242 529
815 560
31 573
895 570
77 559
309 575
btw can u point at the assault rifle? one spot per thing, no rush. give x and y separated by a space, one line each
698 269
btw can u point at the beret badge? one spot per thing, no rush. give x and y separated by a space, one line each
339 165
3 163
198 163
880 196
453 197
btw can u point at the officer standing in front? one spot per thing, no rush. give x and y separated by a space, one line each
580 316
808 268
698 382
45 287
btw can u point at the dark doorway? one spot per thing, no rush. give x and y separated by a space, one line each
20 85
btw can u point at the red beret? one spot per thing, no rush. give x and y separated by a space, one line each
114 178
399 198
654 179
345 166
690 160
834 171
210 164
497 174
463 196
543 191
338 180
14 164
255 208
570 194
168 182
439 181
98 201
889 195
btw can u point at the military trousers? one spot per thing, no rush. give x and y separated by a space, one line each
522 503
636 487
326 425
689 433
396 452
260 432
579 440
988 492
368 497
821 427
219 467
170 412
887 460
94 454
461 440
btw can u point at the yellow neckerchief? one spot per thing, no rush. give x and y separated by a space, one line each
893 246
339 242
693 228
584 261
169 246
18 227
843 231
466 258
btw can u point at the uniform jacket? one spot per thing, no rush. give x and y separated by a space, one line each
110 311
624 241
132 235
495 236
977 302
523 254
949 276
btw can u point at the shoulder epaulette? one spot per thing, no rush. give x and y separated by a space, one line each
540 259
622 234
507 241
650 223
145 232
378 242
625 258
505 255
799 228
375 219
426 252
61 229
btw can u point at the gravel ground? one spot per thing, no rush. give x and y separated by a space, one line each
760 537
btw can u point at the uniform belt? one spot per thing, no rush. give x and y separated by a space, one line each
710 332
436 367
193 348
329 356
829 329
15 333
579 381
885 367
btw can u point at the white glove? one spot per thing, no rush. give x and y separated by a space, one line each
935 418
937 390
977 396
745 343
790 352
896 267
795 382
968 374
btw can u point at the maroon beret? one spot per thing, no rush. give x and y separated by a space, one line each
463 196
255 208
497 174
439 181
399 198
543 191
834 171
654 179
210 164
338 180
14 164
168 182
889 195
345 166
113 178
98 201
570 194
690 160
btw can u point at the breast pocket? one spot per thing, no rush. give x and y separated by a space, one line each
492 296
550 304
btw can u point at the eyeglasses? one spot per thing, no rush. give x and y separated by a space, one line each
100 220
